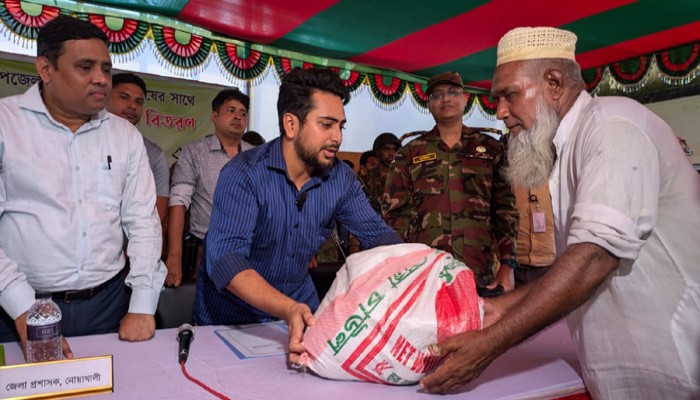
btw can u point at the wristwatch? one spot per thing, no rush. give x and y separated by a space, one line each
510 262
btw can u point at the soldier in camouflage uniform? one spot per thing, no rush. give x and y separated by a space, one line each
446 189
384 147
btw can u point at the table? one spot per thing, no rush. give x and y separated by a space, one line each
543 367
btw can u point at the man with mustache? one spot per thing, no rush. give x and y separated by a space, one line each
626 205
195 174
447 189
73 179
127 99
274 206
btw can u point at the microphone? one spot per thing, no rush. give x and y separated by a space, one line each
301 200
185 336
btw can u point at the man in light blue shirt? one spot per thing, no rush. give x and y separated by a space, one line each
72 178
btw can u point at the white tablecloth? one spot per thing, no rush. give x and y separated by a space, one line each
544 367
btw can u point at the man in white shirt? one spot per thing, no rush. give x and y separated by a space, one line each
72 179
626 205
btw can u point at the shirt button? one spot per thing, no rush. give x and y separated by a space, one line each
296 225
77 168
84 234
80 201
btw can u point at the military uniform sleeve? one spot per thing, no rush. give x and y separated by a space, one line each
358 216
504 225
396 202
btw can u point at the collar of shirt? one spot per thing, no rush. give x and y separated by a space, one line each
215 145
434 134
31 100
567 124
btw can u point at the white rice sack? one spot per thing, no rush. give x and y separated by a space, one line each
385 307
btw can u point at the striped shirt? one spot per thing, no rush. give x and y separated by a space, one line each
194 179
260 220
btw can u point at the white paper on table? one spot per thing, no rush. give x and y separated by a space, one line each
257 340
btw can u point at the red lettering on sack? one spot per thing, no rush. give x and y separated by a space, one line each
385 327
397 346
407 350
381 366
419 364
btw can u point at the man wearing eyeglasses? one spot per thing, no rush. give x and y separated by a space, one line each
447 189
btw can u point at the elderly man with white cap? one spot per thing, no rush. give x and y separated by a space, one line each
627 220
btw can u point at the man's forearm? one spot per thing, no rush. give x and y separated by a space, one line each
162 208
176 226
252 288
571 281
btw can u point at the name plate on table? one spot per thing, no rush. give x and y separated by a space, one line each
65 378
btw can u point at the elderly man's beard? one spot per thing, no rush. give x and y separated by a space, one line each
531 152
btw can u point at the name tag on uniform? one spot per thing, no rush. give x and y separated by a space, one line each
538 223
424 158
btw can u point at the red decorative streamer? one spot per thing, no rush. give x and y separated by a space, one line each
418 88
287 67
384 89
668 64
643 61
47 14
352 80
596 80
181 50
242 63
127 30
486 102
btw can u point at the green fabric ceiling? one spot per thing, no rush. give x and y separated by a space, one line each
427 37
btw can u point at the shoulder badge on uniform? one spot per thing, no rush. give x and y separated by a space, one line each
500 136
410 134
490 130
424 158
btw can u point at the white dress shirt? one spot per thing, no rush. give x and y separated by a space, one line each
65 198
621 181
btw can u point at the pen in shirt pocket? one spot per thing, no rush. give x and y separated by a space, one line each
109 162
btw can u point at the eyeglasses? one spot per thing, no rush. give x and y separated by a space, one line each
454 93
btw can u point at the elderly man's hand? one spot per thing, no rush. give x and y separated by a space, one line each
466 356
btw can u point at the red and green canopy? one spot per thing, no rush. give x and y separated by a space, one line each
391 45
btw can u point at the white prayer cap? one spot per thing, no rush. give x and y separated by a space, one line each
535 43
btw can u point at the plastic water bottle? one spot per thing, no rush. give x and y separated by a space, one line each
44 337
